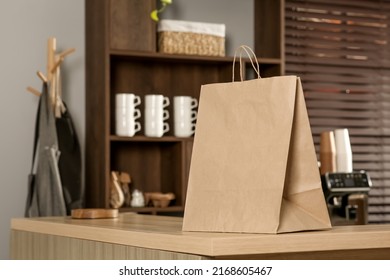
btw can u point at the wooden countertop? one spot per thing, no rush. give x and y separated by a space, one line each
164 233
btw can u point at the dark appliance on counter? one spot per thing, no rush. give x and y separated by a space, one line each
346 195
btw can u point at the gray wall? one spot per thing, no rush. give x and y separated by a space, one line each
25 26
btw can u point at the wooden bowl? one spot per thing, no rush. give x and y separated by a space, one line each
159 199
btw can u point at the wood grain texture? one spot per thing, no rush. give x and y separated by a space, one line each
97 103
94 213
268 29
164 233
38 246
131 25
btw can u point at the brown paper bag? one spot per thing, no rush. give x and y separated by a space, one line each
254 167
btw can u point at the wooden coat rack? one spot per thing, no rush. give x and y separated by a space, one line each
52 76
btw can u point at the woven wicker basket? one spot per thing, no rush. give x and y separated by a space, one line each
192 38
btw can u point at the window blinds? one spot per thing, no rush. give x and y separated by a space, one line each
341 51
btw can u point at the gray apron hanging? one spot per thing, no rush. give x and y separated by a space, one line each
45 195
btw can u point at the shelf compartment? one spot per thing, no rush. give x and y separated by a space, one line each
154 166
173 77
142 77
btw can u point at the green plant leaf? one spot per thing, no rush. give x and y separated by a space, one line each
154 15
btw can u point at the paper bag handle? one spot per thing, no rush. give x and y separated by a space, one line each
251 56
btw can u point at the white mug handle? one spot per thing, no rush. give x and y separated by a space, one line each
194 103
193 128
165 102
137 100
194 115
165 115
137 127
166 127
137 114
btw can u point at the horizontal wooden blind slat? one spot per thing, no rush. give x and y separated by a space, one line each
337 7
343 122
358 140
339 61
340 87
381 200
340 50
379 187
301 67
341 105
379 209
380 179
362 157
325 113
371 166
343 80
336 28
348 4
332 35
360 148
377 124
382 149
357 131
378 218
335 61
319 40
342 97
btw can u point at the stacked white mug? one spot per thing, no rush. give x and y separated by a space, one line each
155 115
126 114
184 115
343 150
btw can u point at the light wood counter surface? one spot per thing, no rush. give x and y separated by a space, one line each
161 233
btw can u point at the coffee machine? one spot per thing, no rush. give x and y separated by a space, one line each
346 195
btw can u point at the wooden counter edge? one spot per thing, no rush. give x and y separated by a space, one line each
219 244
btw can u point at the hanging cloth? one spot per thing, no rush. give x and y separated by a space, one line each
70 162
45 195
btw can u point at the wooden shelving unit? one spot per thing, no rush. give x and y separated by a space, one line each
121 56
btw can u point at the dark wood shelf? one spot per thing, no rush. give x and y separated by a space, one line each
149 139
184 58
